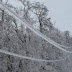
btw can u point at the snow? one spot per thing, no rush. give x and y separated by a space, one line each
35 30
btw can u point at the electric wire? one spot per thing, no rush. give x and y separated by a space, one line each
39 34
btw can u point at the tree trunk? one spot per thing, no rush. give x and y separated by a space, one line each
40 22
2 15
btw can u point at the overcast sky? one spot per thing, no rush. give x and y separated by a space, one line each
59 11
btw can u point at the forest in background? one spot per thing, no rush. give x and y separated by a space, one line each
17 38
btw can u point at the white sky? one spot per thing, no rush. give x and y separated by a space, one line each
59 11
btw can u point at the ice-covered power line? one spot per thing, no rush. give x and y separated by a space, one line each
38 33
29 58
35 30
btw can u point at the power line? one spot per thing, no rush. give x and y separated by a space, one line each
39 34
35 30
29 58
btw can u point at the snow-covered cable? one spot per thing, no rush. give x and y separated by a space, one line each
29 58
35 30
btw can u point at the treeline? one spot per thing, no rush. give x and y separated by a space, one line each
17 38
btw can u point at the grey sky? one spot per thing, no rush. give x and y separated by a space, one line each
59 11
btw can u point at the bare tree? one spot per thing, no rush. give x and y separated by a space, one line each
41 12
67 35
